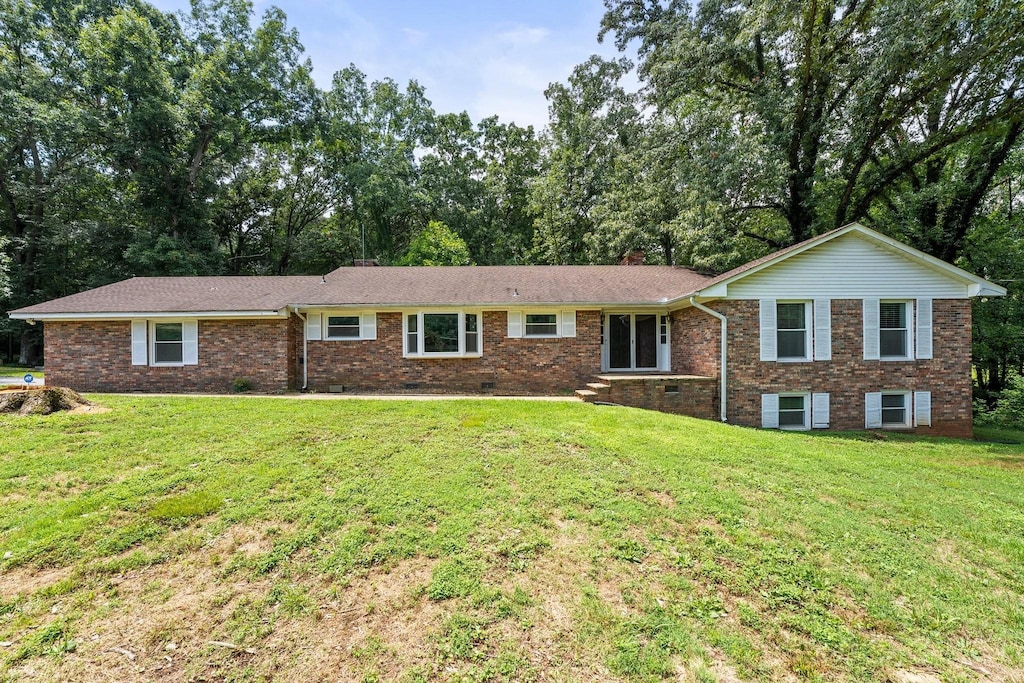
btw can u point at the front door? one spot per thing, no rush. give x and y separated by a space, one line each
632 341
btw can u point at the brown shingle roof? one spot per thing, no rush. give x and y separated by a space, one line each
512 285
385 286
179 295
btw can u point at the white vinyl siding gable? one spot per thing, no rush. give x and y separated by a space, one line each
848 267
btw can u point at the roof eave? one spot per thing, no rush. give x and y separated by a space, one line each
71 316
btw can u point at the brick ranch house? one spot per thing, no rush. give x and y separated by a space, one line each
848 330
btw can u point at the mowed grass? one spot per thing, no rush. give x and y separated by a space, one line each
19 371
280 539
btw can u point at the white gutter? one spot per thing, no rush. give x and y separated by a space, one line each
723 369
305 349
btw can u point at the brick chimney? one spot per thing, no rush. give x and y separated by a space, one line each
633 258
365 262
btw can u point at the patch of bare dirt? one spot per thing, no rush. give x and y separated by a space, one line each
664 499
26 580
40 401
916 676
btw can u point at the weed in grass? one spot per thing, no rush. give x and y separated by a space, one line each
520 551
454 578
186 506
629 550
291 600
462 638
54 639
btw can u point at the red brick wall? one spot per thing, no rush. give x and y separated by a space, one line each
696 343
97 356
847 377
694 397
514 366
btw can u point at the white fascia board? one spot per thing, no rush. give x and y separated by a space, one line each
503 306
210 315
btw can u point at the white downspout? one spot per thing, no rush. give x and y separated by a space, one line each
725 332
305 349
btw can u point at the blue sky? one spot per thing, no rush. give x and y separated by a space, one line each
485 57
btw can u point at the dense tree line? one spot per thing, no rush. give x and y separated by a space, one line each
134 142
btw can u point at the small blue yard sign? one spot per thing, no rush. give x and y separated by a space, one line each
29 378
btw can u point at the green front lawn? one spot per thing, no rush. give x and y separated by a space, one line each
18 371
259 539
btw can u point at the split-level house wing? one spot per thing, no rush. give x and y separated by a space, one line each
848 330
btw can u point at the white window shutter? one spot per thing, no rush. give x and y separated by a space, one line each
140 348
873 410
871 346
823 329
769 338
568 323
770 411
924 328
515 323
313 326
922 409
368 325
819 411
190 342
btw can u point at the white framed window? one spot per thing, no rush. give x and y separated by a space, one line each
794 411
541 325
442 334
895 409
342 326
793 330
170 342
894 329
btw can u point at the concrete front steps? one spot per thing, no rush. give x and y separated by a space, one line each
692 395
593 392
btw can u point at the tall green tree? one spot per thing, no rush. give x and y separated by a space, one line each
437 245
828 112
593 119
377 128
184 103
509 166
48 169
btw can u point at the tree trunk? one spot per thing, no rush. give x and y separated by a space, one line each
31 346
